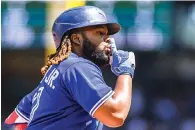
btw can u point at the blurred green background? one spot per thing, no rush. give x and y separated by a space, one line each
162 35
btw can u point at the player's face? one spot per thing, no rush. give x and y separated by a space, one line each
96 46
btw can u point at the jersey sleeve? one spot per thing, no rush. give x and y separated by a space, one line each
22 111
86 84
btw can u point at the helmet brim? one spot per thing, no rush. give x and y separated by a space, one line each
113 28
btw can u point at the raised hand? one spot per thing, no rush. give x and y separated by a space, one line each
123 62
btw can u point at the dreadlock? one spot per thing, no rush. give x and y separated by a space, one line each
61 54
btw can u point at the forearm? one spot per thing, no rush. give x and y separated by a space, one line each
115 110
123 94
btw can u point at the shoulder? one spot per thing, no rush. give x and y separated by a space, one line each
75 62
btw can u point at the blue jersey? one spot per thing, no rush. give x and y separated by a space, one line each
66 98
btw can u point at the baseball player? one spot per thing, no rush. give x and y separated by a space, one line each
72 94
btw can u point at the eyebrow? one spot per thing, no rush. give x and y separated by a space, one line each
100 27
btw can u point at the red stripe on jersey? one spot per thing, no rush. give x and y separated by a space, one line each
11 119
14 118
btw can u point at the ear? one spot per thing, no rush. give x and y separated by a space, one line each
76 38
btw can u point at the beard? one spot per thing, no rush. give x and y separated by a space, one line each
98 57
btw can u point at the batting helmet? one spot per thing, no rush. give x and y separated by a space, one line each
78 17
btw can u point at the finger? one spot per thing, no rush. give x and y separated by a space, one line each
113 45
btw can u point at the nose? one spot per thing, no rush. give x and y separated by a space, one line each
106 38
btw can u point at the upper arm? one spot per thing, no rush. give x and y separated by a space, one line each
87 86
22 111
107 113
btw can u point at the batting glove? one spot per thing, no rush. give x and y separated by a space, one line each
123 62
